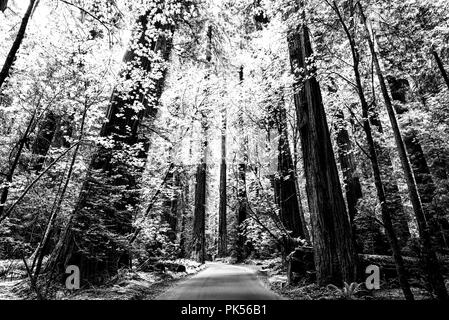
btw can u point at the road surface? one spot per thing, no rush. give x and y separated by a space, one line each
221 282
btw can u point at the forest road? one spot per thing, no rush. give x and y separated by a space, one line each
221 282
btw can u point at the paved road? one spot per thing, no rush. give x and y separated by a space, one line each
221 282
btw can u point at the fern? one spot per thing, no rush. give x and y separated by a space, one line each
348 291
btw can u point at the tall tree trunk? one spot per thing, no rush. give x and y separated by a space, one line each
441 67
432 264
385 209
335 254
242 250
199 215
183 211
391 188
94 238
348 167
285 181
222 220
424 180
11 57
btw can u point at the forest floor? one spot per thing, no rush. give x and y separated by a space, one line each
262 275
274 275
128 285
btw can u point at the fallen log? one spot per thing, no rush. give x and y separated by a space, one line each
301 264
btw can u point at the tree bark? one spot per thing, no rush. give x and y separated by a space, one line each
222 219
351 180
242 250
433 268
335 254
285 181
94 238
199 215
11 57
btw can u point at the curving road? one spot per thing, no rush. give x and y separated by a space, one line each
221 282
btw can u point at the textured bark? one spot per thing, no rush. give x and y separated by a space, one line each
183 211
95 236
430 260
199 215
222 220
242 250
285 182
242 213
348 167
11 57
335 254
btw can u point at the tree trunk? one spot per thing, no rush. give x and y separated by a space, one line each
335 254
11 57
351 180
441 67
385 209
433 268
199 215
184 204
222 220
391 188
242 250
285 181
424 180
95 236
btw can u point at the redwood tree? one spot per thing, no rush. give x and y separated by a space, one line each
94 239
335 254
285 182
222 219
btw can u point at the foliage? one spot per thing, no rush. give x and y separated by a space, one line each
348 291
